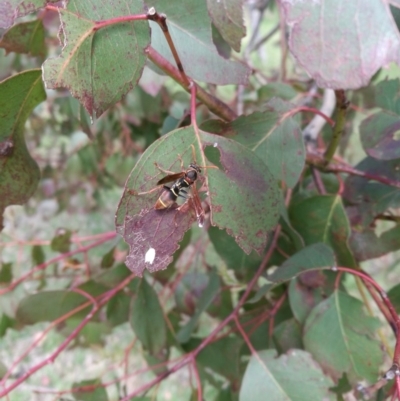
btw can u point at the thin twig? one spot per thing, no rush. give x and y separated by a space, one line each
342 105
215 105
211 337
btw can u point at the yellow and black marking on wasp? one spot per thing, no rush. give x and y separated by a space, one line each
183 181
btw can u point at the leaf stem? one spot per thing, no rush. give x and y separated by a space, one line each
117 20
342 104
317 160
160 19
215 105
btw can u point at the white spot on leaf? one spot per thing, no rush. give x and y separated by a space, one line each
150 255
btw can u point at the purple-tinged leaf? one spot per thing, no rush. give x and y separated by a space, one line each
227 16
12 9
244 198
190 29
366 244
372 197
98 67
19 173
154 231
380 135
98 392
342 44
273 136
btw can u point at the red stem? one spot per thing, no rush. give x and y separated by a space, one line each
389 305
105 298
106 237
193 106
189 357
117 20
312 110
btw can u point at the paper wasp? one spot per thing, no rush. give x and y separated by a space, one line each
183 181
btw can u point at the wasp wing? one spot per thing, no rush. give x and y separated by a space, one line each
196 202
171 177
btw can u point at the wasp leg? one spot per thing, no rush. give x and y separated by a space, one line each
163 170
145 193
183 194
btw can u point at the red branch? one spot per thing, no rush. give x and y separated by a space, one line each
312 110
387 302
106 237
210 338
96 307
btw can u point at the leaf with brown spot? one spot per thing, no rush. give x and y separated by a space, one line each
26 37
19 173
98 67
12 9
273 135
244 198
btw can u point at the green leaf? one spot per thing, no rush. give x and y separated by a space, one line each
25 37
37 254
147 318
6 322
316 256
226 394
248 216
118 309
275 137
304 296
280 378
367 41
207 297
108 259
112 277
341 338
380 135
61 241
99 66
276 89
386 95
288 335
94 391
372 197
47 306
94 333
19 173
227 16
322 218
394 296
190 28
6 273
189 290
222 356
3 370
232 254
